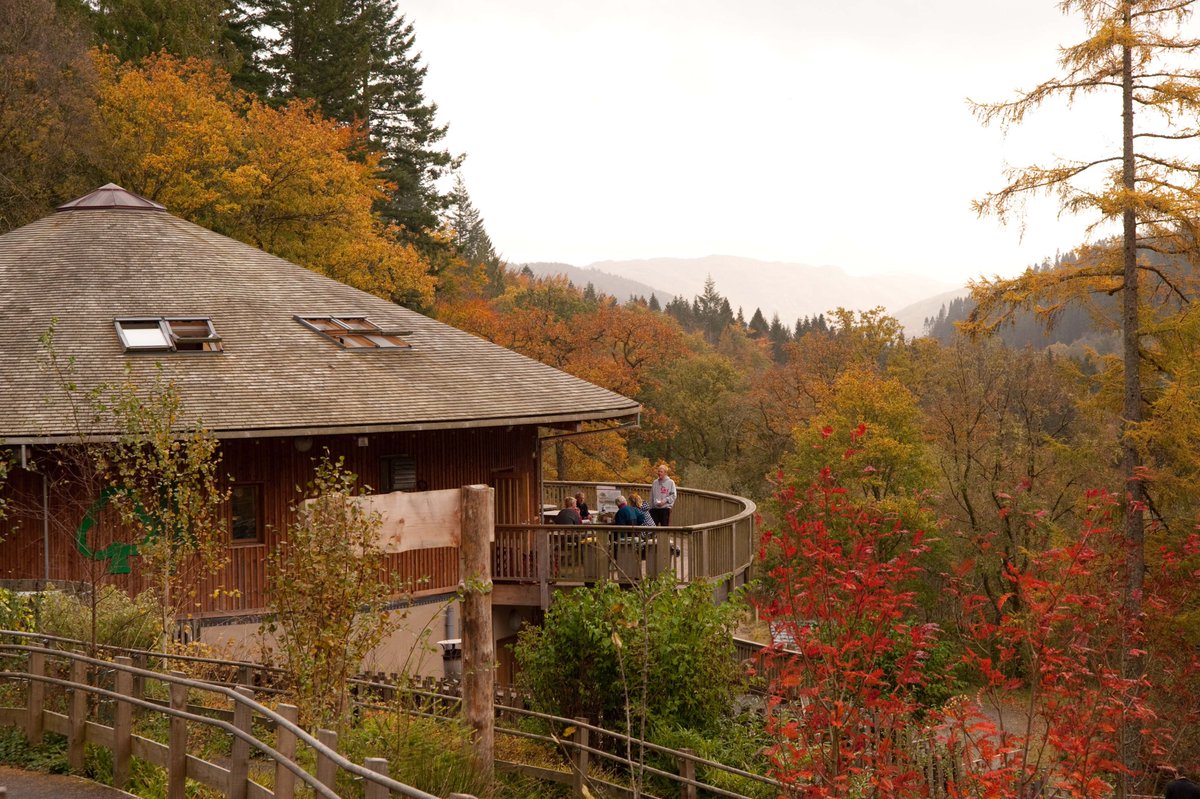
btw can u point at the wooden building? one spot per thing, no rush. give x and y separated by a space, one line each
280 363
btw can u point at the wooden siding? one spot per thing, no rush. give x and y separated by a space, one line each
502 458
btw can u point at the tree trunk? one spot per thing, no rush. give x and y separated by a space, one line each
560 460
1135 558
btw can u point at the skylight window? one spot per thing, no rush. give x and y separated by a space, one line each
355 332
166 334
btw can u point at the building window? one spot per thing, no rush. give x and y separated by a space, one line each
356 332
166 334
245 500
399 473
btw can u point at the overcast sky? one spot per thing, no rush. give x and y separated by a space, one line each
825 133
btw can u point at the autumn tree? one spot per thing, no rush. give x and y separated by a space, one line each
849 657
47 103
285 179
1136 51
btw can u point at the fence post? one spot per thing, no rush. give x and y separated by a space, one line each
374 790
123 725
582 755
687 771
285 745
326 768
77 715
35 722
239 754
177 742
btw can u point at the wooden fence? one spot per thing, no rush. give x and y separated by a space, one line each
92 685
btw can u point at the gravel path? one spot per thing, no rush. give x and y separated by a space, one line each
32 785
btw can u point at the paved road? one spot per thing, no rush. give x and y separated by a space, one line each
31 785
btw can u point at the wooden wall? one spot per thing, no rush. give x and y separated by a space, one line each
504 459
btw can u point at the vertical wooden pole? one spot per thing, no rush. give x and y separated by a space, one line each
123 725
77 716
582 755
35 721
374 789
177 742
479 650
542 547
687 770
285 745
239 754
326 768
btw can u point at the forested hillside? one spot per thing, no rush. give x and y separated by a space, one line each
983 470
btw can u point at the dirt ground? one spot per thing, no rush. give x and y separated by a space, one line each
31 785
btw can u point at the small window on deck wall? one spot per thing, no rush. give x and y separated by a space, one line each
165 334
245 500
399 473
356 332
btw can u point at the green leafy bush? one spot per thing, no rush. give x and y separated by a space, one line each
618 657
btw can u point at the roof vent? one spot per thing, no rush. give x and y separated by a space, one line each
110 195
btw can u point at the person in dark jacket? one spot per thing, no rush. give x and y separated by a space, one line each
569 514
625 513
581 503
1181 788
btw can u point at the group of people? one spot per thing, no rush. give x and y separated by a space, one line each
634 511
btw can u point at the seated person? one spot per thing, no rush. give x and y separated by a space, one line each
643 510
626 515
581 503
569 513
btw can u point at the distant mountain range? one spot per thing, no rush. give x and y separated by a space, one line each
790 290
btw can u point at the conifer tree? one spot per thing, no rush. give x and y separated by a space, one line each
357 60
1137 52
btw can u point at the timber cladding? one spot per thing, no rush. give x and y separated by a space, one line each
264 474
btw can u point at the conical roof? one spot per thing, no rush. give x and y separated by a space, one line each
110 195
85 270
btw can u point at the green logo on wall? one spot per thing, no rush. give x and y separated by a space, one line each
117 553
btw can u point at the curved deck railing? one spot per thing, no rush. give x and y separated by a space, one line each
712 537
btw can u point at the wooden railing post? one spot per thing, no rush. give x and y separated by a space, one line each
582 755
35 721
77 715
687 771
542 546
285 745
123 725
239 754
326 767
478 645
374 790
177 742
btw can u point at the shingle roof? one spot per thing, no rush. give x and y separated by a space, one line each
96 263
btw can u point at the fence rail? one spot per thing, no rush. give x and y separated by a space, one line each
590 754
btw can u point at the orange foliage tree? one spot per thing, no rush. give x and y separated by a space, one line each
283 179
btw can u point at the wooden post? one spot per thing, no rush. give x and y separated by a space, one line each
285 745
177 742
542 547
35 722
479 651
374 790
582 755
123 725
326 768
77 716
239 754
687 770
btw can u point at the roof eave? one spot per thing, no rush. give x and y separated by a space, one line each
545 420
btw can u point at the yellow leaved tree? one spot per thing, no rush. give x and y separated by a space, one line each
285 179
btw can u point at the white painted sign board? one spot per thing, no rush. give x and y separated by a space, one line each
606 499
417 519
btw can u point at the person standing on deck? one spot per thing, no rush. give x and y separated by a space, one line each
662 497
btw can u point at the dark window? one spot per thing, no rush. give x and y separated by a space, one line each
399 473
164 334
245 504
356 332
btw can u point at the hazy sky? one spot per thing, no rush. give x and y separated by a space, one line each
827 133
